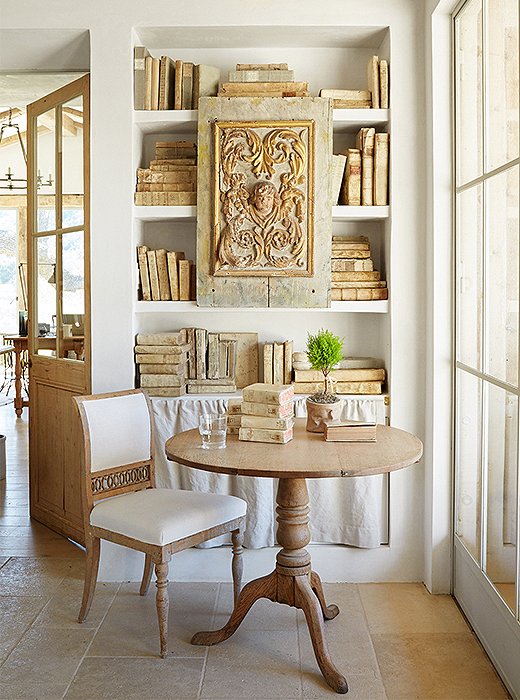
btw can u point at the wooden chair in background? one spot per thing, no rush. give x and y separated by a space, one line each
121 503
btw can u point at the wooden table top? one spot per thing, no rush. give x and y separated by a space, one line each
308 455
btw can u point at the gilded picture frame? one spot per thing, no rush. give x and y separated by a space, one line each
263 198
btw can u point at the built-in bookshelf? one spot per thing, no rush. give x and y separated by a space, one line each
366 325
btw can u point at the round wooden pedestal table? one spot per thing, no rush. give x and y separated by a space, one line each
307 456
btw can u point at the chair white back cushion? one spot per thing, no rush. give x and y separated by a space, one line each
119 429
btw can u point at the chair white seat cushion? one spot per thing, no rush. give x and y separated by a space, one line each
162 516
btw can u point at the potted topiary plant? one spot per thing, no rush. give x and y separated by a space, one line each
324 351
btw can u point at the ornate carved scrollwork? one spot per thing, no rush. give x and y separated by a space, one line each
116 480
264 178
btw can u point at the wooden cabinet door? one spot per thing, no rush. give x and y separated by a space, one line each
59 301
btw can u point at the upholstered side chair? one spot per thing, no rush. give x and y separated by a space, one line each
121 503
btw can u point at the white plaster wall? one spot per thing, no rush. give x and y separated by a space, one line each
112 179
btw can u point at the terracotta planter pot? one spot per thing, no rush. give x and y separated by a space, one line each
318 412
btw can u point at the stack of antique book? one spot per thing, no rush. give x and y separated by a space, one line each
349 431
267 413
165 275
164 83
375 97
353 274
171 178
278 362
345 381
262 80
365 175
161 360
234 416
211 362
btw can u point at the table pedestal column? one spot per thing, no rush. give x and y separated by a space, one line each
292 582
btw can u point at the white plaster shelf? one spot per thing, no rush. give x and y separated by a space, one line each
185 120
346 213
374 307
166 121
351 120
158 213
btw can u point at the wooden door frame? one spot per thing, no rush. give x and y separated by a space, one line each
59 372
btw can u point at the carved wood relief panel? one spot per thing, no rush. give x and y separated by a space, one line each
263 198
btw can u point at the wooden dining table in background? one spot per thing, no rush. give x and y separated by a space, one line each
21 345
308 455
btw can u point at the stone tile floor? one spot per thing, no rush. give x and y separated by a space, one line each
392 641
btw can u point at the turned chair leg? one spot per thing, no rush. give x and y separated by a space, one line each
91 572
237 565
162 601
147 574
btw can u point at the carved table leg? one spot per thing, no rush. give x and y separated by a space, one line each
18 402
329 611
293 582
259 588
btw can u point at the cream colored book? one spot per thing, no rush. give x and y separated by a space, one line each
187 84
162 273
140 54
358 294
246 357
149 380
351 186
352 265
213 356
156 64
381 157
205 82
262 66
154 275
287 361
173 276
232 429
184 279
278 366
352 95
268 393
360 363
165 199
365 142
176 339
180 175
358 285
166 391
350 245
352 239
267 423
201 343
238 89
268 363
180 369
351 104
144 275
384 82
341 375
351 254
175 350
234 406
157 359
192 353
301 365
285 410
166 83
371 388
260 76
177 93
234 420
166 187
373 80
337 170
148 64
221 381
211 389
261 435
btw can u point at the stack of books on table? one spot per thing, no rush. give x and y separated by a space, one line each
349 431
365 173
162 362
347 381
165 83
165 275
234 416
353 274
171 178
262 80
267 413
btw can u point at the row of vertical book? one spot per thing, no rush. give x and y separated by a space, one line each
165 275
360 176
164 83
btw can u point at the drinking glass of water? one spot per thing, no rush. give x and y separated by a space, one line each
212 428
